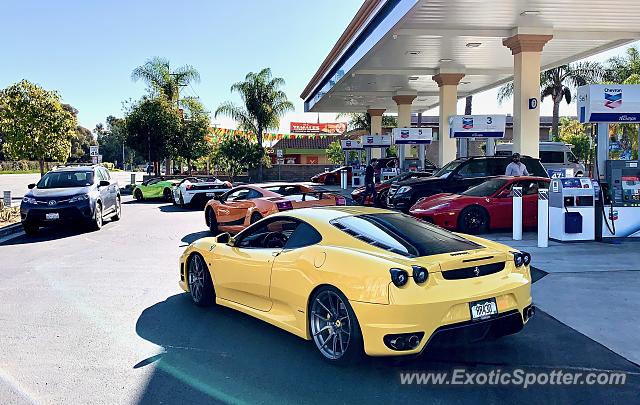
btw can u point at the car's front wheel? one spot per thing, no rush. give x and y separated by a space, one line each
96 222
473 220
334 328
200 284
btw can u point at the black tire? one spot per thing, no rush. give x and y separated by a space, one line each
321 316
473 220
330 180
96 222
199 280
382 198
212 221
181 202
138 194
167 195
255 217
118 215
30 228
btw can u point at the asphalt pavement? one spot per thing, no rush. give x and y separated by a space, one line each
98 318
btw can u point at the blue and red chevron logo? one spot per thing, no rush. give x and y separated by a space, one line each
612 98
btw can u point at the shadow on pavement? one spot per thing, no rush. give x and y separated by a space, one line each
219 355
48 234
192 237
177 208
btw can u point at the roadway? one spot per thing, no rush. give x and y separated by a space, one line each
98 318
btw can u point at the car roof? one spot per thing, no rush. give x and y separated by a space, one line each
521 178
72 168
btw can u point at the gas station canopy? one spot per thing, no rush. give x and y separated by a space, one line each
394 47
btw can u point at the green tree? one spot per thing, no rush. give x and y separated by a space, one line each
574 133
80 142
236 154
559 84
191 143
362 121
34 124
151 125
263 105
620 68
112 138
335 154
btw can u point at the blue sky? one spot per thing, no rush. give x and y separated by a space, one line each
87 49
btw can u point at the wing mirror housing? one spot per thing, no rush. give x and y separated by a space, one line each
31 186
103 183
226 238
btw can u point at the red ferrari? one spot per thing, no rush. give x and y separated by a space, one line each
332 177
483 207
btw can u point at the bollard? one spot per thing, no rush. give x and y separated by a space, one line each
343 179
517 213
133 178
7 199
543 217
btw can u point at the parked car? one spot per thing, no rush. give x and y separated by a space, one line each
332 176
359 280
196 191
71 195
155 188
394 162
244 205
383 188
553 155
456 177
486 206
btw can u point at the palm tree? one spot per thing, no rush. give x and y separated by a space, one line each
264 104
162 81
559 84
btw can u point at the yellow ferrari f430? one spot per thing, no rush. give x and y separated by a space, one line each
360 280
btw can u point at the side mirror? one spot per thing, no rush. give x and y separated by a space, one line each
30 186
104 183
223 237
232 241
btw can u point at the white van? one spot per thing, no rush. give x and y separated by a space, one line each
553 155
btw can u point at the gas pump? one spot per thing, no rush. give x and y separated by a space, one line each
618 202
357 173
412 136
572 211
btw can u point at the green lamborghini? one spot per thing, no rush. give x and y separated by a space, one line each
155 188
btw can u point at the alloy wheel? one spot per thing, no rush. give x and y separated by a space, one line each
196 278
331 326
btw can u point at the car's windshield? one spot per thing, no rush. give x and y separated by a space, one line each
445 171
402 234
66 179
486 189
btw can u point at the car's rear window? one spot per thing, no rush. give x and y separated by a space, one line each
402 234
66 179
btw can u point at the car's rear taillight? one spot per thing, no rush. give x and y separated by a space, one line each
284 205
340 200
189 186
228 184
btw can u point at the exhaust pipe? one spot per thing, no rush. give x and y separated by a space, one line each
529 312
414 341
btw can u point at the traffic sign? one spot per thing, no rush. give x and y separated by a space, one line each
93 150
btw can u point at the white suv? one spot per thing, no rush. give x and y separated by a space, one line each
553 155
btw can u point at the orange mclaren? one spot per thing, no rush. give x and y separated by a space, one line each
241 206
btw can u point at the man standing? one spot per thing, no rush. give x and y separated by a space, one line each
516 168
369 184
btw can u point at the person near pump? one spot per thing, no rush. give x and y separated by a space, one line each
516 167
369 184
